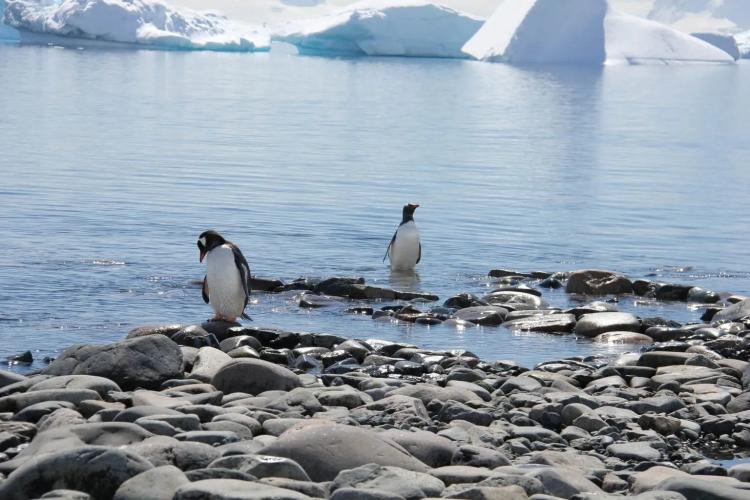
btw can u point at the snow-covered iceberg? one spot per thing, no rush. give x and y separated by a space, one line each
743 43
384 28
140 23
582 32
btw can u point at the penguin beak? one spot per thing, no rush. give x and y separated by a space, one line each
203 254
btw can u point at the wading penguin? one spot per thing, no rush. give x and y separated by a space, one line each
225 285
405 250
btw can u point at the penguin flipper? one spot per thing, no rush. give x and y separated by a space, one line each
245 316
204 290
390 245
244 269
420 253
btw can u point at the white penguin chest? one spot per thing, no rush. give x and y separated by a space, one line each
405 249
225 290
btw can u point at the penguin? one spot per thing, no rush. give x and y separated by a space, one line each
405 250
225 285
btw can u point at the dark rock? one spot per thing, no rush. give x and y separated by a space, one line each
482 315
96 470
254 376
697 294
263 466
139 362
195 336
655 359
596 282
313 301
142 331
218 473
25 358
673 292
463 300
264 284
479 456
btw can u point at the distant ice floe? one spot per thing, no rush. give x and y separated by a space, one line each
384 28
583 32
140 23
743 43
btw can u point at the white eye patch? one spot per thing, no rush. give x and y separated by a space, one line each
202 241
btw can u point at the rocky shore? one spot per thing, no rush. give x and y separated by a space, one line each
224 411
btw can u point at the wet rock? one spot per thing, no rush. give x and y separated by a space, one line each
517 300
159 483
562 323
482 315
313 301
231 343
24 358
597 282
735 312
464 300
259 284
672 292
325 449
623 338
221 330
254 376
139 362
96 470
591 325
697 294
401 482
195 336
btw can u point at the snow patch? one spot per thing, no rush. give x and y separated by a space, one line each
384 28
147 23
582 32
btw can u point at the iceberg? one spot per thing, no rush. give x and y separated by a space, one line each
582 32
713 16
743 43
6 32
129 23
384 28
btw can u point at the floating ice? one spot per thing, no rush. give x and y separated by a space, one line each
727 43
130 22
724 16
743 43
582 32
385 28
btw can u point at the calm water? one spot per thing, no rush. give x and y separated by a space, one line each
112 162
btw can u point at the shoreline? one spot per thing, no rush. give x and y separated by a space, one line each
223 410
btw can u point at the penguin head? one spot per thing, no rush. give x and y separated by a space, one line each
409 212
207 241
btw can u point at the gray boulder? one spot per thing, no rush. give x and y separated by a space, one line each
99 384
735 312
562 482
324 449
139 362
405 483
254 376
433 450
159 483
96 470
694 488
262 466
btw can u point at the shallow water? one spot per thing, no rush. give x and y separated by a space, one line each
114 161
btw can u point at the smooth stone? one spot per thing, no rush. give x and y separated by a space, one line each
563 482
735 312
428 392
400 482
142 331
99 384
656 359
431 449
567 459
96 470
639 451
363 494
324 449
19 401
490 493
623 338
483 315
479 456
593 324
159 483
61 494
315 490
138 362
231 343
460 474
694 488
254 376
208 362
185 455
741 472
517 300
262 466
547 323
62 417
233 489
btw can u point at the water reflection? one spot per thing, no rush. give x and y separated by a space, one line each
404 280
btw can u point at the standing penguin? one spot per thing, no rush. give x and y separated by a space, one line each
225 285
405 250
